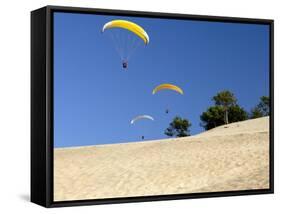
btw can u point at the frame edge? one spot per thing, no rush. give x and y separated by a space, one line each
38 187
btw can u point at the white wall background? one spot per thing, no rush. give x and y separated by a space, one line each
15 105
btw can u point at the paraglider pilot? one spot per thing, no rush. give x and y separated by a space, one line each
125 64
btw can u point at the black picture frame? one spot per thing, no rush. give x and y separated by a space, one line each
42 105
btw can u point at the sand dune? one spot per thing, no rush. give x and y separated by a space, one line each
231 157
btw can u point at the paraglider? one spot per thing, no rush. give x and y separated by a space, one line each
167 86
127 36
141 117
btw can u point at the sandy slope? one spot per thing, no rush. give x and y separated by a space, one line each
232 157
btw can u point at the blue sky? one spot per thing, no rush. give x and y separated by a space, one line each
95 98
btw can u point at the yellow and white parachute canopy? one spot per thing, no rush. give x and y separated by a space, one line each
130 26
167 86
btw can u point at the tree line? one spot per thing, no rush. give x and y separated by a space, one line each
224 110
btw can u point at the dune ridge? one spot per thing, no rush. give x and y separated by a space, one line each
229 157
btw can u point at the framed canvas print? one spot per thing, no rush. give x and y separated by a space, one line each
134 106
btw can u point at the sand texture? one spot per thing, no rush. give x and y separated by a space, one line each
230 157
